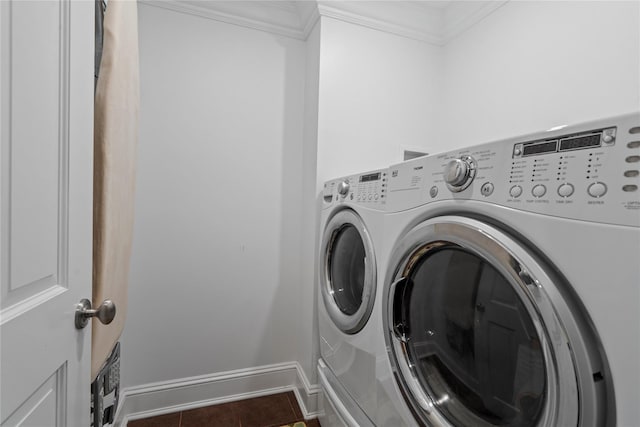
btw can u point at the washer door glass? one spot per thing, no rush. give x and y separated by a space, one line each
348 278
473 342
346 269
477 329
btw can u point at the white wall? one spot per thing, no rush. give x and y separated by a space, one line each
378 95
532 65
215 281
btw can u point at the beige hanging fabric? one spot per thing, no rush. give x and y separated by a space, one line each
115 140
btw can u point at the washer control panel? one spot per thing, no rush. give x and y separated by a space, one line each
589 172
367 189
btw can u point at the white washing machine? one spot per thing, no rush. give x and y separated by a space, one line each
512 293
349 316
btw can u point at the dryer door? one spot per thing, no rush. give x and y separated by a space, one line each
480 336
348 273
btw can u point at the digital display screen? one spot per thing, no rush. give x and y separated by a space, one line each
540 148
567 142
370 177
578 142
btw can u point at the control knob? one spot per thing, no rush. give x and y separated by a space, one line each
459 173
343 188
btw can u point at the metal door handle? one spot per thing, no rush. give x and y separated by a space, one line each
105 312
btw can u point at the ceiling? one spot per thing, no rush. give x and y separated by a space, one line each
434 22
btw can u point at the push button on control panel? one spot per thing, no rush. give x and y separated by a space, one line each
515 191
433 192
539 190
565 190
486 189
597 189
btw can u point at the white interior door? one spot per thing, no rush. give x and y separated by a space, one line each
46 106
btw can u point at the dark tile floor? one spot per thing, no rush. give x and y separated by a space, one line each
267 411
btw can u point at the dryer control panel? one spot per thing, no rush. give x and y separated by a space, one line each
366 189
589 172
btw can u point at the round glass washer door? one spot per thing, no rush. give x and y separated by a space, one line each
473 324
348 274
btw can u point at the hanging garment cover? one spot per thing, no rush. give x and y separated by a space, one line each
100 7
115 140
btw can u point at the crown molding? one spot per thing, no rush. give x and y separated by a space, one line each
309 16
267 16
431 22
461 16
360 13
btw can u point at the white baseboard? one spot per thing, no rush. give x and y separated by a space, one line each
188 393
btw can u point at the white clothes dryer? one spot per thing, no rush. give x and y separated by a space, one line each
350 269
512 293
